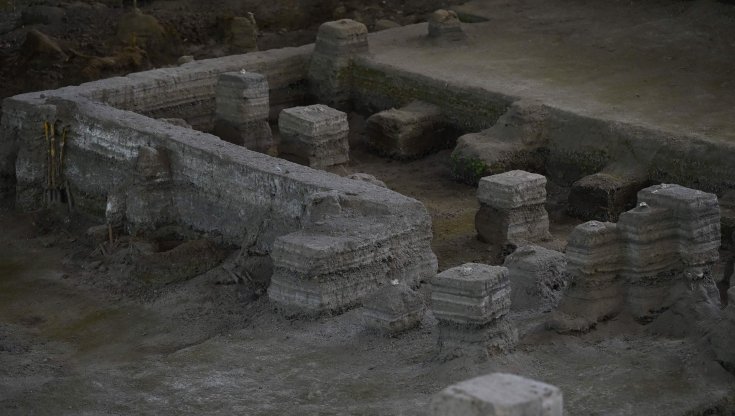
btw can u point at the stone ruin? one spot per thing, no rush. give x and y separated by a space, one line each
314 136
669 241
537 277
408 132
393 309
241 110
471 304
498 394
512 210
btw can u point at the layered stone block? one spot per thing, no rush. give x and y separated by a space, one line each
393 309
329 69
242 108
537 277
512 208
407 132
602 196
471 303
314 135
670 239
445 25
499 394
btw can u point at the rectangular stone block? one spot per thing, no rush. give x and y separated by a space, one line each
471 294
408 132
314 135
602 197
241 97
498 394
512 189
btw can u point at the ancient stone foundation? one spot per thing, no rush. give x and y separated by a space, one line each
498 394
314 136
407 132
393 309
242 108
337 43
603 196
512 210
670 239
537 277
471 303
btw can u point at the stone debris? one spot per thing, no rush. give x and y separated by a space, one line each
537 277
407 132
671 238
445 25
393 309
498 394
516 141
314 136
512 210
329 75
242 108
603 196
471 303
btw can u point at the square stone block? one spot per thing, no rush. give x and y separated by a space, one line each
314 135
407 132
602 197
498 394
471 294
512 189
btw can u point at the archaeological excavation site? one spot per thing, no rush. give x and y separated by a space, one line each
435 208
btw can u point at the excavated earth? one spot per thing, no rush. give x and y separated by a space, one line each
91 327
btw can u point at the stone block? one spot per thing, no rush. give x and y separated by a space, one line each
498 394
314 135
471 294
393 309
537 277
444 24
241 110
603 197
408 132
513 189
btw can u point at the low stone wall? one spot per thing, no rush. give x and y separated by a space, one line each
321 260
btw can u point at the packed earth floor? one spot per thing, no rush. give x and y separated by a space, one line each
112 324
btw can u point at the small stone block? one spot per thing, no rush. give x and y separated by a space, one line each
512 189
344 36
407 132
393 309
314 135
602 197
445 24
498 394
471 294
537 277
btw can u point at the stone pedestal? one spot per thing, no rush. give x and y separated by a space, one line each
445 25
498 394
314 136
537 277
393 309
471 303
241 110
512 208
329 69
408 132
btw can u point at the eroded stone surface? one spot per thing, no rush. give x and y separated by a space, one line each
242 108
602 196
537 277
498 394
407 132
393 309
314 135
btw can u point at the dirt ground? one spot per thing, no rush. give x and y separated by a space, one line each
86 330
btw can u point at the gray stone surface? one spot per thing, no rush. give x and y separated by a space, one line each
498 394
393 309
329 69
512 208
242 110
366 177
471 303
671 238
445 25
314 135
407 132
537 277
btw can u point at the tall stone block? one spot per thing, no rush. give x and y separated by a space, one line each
498 394
671 239
314 135
329 69
241 110
393 309
512 208
471 303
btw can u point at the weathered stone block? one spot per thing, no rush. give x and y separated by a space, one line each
444 24
537 277
513 189
408 132
314 135
242 108
602 196
394 308
498 394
